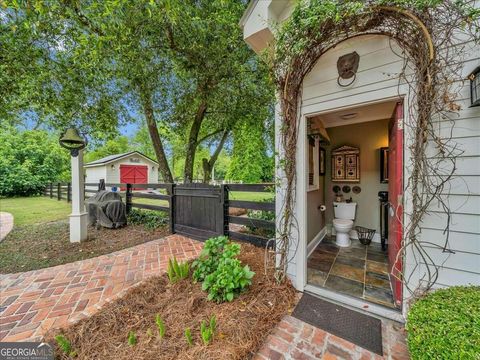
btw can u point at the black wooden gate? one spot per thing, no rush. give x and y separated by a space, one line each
198 211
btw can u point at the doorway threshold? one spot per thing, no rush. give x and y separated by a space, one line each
356 303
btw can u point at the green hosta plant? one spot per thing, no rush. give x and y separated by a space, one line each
209 258
230 277
188 336
177 271
208 331
160 325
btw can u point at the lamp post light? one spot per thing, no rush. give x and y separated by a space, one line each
71 140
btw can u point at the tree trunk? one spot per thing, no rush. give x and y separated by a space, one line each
163 167
208 164
192 142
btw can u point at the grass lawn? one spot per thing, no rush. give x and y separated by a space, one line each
38 246
34 210
250 196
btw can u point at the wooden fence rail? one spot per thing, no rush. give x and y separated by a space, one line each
196 210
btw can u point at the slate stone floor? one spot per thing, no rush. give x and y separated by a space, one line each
360 271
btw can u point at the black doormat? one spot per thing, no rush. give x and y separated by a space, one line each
360 329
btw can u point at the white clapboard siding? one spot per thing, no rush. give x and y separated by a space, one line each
457 241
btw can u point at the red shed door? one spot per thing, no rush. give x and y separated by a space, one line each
395 196
134 174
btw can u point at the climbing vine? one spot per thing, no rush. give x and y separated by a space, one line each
425 32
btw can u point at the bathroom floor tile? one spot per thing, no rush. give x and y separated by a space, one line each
351 261
377 279
328 247
316 277
320 260
377 267
349 272
379 296
359 253
346 286
383 258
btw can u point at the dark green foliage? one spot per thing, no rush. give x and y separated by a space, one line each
445 324
149 218
29 160
188 336
262 215
208 331
177 271
132 339
160 325
229 278
209 258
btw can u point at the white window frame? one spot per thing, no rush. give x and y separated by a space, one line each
316 176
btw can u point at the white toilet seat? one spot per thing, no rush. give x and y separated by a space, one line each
342 224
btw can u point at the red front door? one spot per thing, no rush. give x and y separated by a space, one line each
395 196
133 174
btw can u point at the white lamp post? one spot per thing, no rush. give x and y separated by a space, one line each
72 141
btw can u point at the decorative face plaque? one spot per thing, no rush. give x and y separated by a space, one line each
346 164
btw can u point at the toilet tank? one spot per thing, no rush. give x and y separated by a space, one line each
343 210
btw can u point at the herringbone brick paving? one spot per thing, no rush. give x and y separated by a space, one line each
33 302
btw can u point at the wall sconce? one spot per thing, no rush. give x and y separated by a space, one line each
71 140
153 167
113 167
347 66
475 87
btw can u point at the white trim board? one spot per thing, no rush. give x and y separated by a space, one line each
316 240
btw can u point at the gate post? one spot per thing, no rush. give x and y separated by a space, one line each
59 191
171 206
224 199
69 192
51 190
128 198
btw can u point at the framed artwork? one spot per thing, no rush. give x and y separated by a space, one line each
346 164
384 165
321 161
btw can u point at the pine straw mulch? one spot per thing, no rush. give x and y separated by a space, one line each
242 325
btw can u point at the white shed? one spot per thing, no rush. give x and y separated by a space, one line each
132 167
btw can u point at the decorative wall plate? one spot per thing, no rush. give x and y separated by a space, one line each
356 189
346 189
336 189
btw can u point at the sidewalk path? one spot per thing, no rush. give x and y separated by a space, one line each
6 224
33 302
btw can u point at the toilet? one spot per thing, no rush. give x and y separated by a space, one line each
343 222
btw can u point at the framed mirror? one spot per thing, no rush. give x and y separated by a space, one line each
384 165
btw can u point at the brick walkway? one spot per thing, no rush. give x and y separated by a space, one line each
6 224
295 339
33 302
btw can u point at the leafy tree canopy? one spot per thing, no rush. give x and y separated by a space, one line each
178 66
29 160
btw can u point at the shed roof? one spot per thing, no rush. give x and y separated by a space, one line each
111 158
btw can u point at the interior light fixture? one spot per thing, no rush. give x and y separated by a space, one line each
348 116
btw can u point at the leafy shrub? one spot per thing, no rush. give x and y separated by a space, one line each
177 271
29 160
160 326
261 215
229 278
208 260
445 324
208 331
188 336
149 219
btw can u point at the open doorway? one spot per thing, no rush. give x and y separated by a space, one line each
354 202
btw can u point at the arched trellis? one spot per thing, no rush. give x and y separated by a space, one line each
317 27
